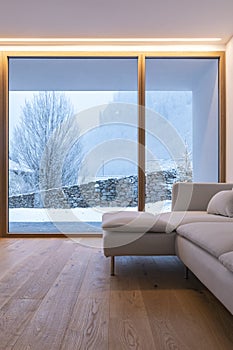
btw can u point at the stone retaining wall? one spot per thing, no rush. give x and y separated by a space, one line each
105 193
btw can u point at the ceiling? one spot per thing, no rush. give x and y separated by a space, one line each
114 19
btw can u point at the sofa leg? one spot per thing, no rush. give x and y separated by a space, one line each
186 273
112 265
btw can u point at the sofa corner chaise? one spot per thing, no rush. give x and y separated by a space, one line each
199 230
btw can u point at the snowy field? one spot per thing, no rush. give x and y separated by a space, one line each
77 214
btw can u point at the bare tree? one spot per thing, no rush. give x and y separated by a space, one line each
46 140
185 172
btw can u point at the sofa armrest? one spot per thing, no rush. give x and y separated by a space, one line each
194 195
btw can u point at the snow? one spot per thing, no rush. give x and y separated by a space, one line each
14 166
77 214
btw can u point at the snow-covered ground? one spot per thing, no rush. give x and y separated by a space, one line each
77 214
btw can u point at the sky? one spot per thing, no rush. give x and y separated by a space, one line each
80 100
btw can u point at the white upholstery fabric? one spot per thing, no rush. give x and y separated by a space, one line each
168 222
200 239
221 204
208 269
216 238
127 221
123 243
195 196
227 260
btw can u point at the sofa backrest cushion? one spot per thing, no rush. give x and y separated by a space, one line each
195 196
221 204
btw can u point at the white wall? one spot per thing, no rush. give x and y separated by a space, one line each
229 108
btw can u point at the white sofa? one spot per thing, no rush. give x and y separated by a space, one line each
202 240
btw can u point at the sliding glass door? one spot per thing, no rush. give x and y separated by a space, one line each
182 118
89 135
72 142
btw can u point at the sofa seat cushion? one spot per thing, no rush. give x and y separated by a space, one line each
216 238
128 221
227 260
168 222
133 221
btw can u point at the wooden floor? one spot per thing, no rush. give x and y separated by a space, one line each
57 294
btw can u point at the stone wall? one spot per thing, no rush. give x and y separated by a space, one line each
112 192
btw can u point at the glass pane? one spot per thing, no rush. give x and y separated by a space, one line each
181 126
72 142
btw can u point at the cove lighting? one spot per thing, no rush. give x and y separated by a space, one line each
105 40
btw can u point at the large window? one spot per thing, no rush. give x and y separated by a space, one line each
182 114
73 142
76 136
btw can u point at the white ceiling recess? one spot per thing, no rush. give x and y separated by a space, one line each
114 19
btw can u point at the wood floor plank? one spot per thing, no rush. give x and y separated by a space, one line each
88 328
176 311
14 253
4 242
129 327
197 308
39 284
10 331
150 276
176 323
47 327
24 270
14 317
59 295
224 326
